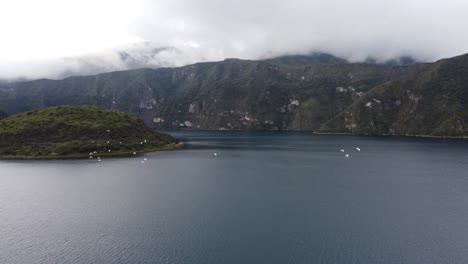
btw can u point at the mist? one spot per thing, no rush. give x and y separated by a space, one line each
84 37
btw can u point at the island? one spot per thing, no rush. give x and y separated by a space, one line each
78 131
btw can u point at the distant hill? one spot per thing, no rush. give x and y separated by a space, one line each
76 131
431 101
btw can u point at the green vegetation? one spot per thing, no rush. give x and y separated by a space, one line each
77 131
294 92
230 94
432 102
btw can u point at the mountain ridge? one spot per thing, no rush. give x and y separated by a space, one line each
145 55
229 94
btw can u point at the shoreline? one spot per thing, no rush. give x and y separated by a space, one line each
317 133
107 155
389 135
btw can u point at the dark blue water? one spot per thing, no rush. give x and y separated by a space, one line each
265 198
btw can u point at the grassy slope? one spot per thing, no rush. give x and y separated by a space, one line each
237 94
432 102
74 130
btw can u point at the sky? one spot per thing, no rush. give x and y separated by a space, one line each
45 38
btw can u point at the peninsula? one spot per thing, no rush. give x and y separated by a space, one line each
78 132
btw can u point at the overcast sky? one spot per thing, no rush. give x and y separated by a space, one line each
37 35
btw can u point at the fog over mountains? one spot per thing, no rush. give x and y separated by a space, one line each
146 55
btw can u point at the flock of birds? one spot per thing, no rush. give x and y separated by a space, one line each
92 154
342 150
346 154
95 153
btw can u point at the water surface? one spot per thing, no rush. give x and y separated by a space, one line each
266 197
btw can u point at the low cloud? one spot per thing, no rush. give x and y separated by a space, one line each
179 32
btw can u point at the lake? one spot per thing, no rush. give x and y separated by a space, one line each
244 197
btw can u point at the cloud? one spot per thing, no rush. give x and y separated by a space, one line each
205 30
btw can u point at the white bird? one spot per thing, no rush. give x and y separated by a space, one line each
109 150
358 149
342 150
144 159
141 143
90 153
347 155
108 130
98 159
216 154
145 140
107 142
134 153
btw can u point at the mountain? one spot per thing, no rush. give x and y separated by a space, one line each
77 131
230 94
431 101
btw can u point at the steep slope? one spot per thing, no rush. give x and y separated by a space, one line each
76 131
231 94
238 94
432 101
